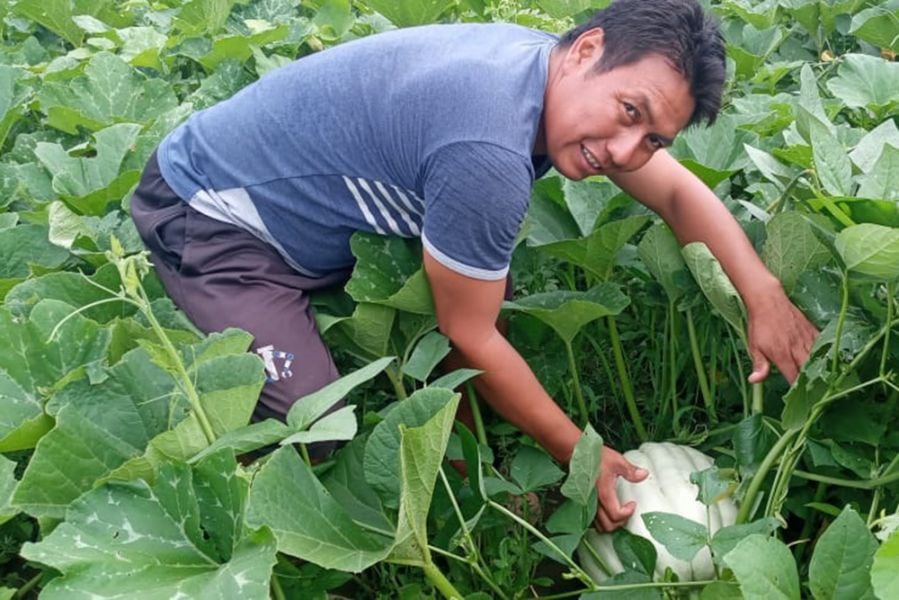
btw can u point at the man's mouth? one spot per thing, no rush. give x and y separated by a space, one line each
591 160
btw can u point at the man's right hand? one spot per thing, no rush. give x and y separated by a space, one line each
611 514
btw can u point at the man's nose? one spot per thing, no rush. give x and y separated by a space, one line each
625 150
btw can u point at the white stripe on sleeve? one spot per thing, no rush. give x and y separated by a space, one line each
405 216
369 218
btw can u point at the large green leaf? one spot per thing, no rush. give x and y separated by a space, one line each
26 246
864 81
388 272
871 250
841 564
7 485
765 569
308 523
404 13
718 147
309 408
791 248
92 182
715 284
869 148
55 15
382 451
878 25
109 92
32 366
596 253
588 202
569 311
98 428
885 571
421 454
882 181
199 17
583 468
831 161
428 353
661 253
182 537
682 537
347 485
13 97
366 332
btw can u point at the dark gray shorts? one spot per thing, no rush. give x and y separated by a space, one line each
221 276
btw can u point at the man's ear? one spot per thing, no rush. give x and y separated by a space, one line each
587 48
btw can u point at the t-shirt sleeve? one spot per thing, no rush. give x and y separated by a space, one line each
476 196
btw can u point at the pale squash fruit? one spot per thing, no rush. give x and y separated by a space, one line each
666 489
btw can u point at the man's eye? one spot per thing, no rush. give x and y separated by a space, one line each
655 142
631 110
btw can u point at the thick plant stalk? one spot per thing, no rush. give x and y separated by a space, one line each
625 380
439 580
578 393
480 430
707 398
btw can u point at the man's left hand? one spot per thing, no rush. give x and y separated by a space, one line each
778 333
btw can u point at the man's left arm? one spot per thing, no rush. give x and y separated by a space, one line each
778 331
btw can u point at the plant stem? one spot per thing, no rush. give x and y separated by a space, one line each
480 431
277 591
443 585
305 453
748 502
841 319
29 585
758 398
863 484
396 380
625 380
886 335
192 396
707 398
576 380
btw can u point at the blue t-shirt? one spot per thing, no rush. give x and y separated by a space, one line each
425 131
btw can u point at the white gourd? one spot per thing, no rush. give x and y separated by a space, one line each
666 489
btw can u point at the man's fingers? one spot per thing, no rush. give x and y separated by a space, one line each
760 367
635 474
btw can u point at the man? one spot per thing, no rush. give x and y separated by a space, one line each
439 132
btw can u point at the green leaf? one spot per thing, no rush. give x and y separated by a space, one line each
421 454
382 452
388 272
339 425
727 538
32 366
78 179
864 81
247 438
428 353
681 537
7 485
533 469
771 169
307 522
635 553
569 311
597 252
203 17
583 468
661 253
135 539
548 220
55 15
109 92
871 250
870 147
809 109
712 487
882 181
347 485
366 332
405 13
878 25
715 284
792 248
14 94
453 380
307 409
24 247
831 162
842 560
764 568
885 571
718 147
588 201
98 428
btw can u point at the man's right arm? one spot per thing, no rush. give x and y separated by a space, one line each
467 310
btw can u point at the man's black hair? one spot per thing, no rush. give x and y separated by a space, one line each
677 30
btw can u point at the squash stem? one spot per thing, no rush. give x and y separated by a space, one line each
707 398
625 380
439 580
576 380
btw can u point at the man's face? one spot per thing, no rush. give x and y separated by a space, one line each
612 122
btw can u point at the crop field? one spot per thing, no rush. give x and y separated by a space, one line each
124 431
